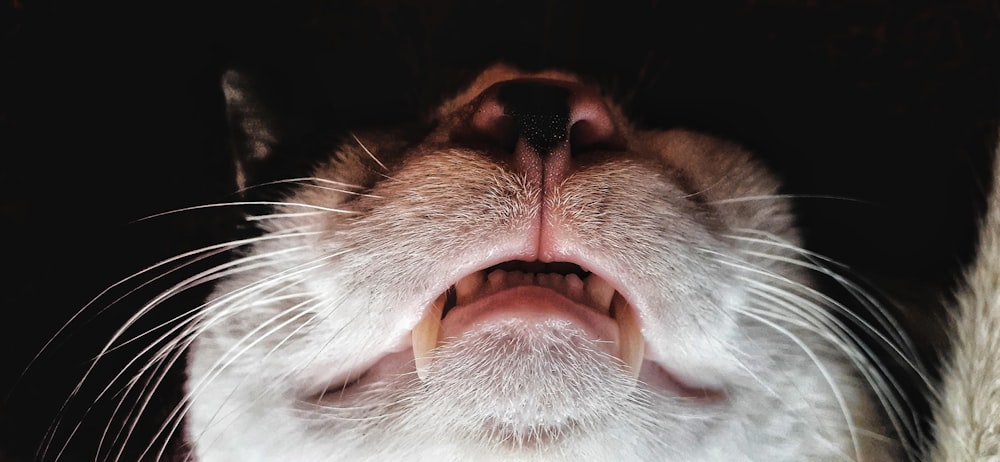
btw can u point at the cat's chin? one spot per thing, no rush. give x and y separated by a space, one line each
524 383
512 390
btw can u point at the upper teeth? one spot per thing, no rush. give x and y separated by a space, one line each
591 291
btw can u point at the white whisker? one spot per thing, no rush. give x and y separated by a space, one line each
311 182
900 344
814 319
883 317
191 329
196 280
831 382
813 309
782 197
279 216
244 204
255 336
369 152
170 338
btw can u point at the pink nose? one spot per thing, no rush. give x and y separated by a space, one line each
543 124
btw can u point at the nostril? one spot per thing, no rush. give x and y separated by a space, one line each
592 126
587 136
491 125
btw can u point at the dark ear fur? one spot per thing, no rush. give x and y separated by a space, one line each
279 129
253 132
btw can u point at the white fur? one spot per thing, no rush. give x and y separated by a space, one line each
967 418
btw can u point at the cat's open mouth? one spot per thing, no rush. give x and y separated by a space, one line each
532 293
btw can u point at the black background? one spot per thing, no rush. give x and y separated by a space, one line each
111 111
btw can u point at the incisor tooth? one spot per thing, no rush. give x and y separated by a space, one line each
549 280
496 279
425 336
632 346
517 278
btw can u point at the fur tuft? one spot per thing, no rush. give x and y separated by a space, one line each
967 418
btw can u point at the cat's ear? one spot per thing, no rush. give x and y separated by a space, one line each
253 129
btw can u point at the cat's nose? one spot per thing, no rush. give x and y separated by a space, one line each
545 124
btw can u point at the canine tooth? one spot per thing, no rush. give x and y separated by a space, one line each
632 345
425 336
468 287
599 291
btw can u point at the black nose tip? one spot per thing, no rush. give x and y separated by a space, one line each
540 111
543 113
539 126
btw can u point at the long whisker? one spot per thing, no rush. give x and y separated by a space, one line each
231 299
813 307
154 378
773 197
197 255
247 203
837 393
201 278
883 317
887 389
311 182
369 152
890 337
209 275
253 288
316 315
280 216
200 254
190 333
248 341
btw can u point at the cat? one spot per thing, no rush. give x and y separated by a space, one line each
529 276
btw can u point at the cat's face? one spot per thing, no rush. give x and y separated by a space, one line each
534 279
